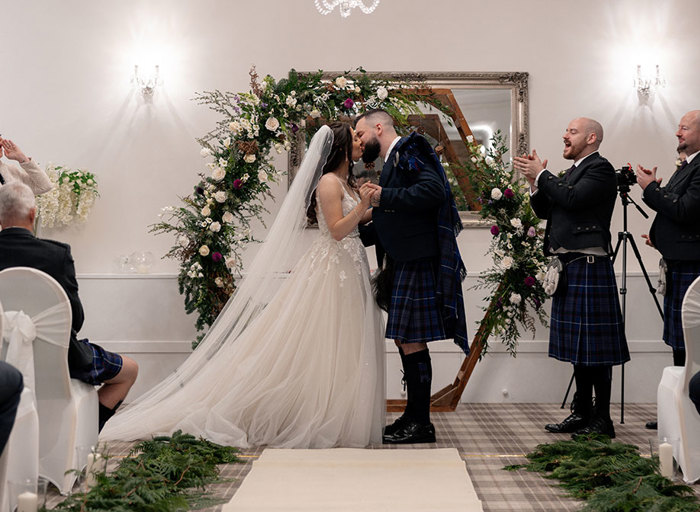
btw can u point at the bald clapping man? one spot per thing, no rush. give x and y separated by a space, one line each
586 327
675 231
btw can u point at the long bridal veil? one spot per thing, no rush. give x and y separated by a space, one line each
274 260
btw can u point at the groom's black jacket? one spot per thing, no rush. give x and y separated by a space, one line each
406 220
20 248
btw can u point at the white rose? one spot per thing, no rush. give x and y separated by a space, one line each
204 250
516 223
234 127
206 211
230 262
507 262
204 152
218 174
272 124
183 241
215 227
315 113
249 158
227 217
341 82
219 282
515 299
496 194
220 196
262 176
382 93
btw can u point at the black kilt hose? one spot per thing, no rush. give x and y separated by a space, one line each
679 277
414 314
586 323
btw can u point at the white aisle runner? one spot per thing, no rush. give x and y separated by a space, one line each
357 480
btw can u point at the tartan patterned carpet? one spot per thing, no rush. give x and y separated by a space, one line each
488 437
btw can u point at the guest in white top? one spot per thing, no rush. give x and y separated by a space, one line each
28 172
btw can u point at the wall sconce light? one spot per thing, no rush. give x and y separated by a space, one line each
646 84
147 84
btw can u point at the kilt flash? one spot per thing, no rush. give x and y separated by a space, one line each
586 323
679 277
414 315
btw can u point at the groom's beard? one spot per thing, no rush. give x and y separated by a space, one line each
371 151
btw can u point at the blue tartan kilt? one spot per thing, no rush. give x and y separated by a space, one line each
679 277
586 326
414 315
105 366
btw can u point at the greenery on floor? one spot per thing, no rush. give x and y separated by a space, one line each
611 477
160 475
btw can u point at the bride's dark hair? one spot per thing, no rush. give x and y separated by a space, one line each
340 151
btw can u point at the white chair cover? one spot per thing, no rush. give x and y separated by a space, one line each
679 421
67 409
21 455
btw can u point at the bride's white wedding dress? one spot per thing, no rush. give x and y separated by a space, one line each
306 372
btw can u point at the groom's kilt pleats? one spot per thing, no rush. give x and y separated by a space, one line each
413 312
679 277
586 323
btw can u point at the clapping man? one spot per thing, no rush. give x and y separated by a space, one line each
675 231
586 327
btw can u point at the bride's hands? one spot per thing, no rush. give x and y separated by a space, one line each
366 191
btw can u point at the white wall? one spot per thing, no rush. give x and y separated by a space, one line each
67 97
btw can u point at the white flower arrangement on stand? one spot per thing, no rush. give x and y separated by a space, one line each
71 199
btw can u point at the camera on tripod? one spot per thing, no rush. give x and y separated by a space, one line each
625 178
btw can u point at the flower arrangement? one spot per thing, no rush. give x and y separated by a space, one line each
516 247
72 197
213 224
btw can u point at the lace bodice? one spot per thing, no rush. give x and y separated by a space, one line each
330 252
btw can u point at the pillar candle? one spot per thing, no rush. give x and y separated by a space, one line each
27 502
666 460
94 463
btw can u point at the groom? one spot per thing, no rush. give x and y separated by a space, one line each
416 222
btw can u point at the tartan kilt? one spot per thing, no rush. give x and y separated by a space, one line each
679 277
414 314
105 365
586 323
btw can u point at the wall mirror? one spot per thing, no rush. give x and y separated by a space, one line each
484 102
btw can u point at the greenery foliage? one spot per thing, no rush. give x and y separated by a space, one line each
515 278
162 474
611 477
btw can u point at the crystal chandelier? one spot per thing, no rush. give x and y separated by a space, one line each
344 6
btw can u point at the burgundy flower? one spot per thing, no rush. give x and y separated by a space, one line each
216 257
199 190
348 103
530 281
237 184
495 230
295 128
508 193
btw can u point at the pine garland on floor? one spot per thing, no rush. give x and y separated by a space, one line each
611 477
163 474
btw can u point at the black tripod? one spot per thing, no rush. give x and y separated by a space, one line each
625 178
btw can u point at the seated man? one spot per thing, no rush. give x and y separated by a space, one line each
11 386
20 248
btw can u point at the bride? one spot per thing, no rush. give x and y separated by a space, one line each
295 360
